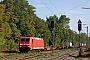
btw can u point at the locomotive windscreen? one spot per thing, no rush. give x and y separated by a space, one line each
25 39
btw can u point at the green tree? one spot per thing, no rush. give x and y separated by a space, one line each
41 29
23 12
4 26
22 17
63 27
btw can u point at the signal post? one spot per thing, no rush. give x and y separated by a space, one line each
53 33
79 29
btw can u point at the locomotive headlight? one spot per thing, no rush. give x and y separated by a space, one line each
20 46
28 45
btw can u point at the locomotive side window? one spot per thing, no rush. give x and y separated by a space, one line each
25 39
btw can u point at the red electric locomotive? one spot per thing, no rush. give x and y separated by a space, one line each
30 43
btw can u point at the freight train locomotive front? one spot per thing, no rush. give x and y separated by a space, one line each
29 43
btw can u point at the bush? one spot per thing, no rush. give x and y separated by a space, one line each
11 45
2 42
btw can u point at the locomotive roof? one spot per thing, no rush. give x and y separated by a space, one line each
38 38
32 37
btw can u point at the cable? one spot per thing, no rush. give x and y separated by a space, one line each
66 11
59 10
76 6
46 6
54 6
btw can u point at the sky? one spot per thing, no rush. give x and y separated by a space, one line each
71 8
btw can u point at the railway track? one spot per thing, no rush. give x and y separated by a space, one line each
65 56
31 57
36 56
62 56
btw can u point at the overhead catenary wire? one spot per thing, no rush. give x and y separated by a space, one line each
54 6
47 6
76 6
59 10
71 8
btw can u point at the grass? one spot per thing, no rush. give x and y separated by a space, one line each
13 55
85 54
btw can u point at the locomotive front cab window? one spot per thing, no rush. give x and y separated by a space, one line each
25 39
22 39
